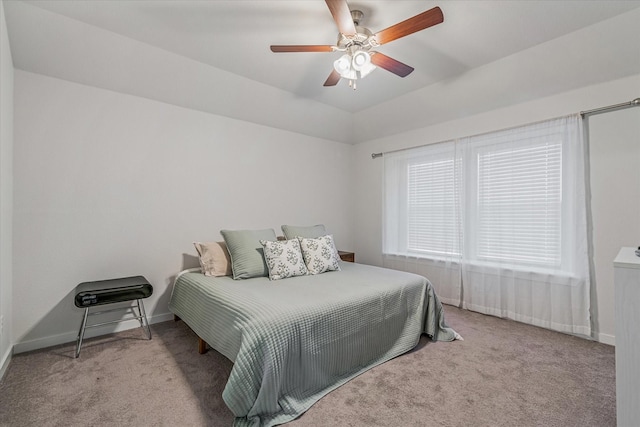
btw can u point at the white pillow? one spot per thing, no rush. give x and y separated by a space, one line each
320 254
284 259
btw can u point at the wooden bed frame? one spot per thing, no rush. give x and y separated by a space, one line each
202 344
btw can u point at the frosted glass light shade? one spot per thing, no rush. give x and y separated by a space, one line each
354 65
342 65
361 60
369 67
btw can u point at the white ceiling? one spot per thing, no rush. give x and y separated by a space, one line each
235 36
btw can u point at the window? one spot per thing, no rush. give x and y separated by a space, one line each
517 203
422 214
494 198
431 207
497 222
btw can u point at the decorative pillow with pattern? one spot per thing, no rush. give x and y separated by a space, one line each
284 259
320 254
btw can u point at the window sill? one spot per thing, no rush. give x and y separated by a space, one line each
519 271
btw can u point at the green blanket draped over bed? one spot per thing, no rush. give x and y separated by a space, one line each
294 340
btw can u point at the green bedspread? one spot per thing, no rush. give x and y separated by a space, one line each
294 340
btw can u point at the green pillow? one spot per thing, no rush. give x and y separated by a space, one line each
247 254
308 232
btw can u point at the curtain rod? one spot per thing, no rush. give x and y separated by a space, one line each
622 106
634 103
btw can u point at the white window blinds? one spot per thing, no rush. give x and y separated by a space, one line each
432 207
519 202
422 214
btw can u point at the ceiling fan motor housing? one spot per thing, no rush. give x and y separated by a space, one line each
363 38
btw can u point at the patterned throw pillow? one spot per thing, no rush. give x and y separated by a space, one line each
284 259
320 254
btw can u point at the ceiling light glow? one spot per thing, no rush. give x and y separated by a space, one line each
354 64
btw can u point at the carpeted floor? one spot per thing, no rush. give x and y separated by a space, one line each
503 374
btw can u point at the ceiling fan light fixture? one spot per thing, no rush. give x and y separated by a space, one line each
361 60
351 74
343 64
366 69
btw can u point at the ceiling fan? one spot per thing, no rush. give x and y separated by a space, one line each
357 42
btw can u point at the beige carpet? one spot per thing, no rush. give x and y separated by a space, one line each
503 374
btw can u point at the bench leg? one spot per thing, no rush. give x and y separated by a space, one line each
139 314
143 316
81 333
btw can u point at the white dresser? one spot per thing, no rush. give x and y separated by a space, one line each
627 306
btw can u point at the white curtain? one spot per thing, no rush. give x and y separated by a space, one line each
497 222
422 216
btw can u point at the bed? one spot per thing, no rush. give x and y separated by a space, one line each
293 341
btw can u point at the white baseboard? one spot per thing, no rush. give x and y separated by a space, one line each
604 338
4 362
64 338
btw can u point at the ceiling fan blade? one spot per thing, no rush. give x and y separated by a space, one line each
419 22
342 15
396 67
301 48
333 79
